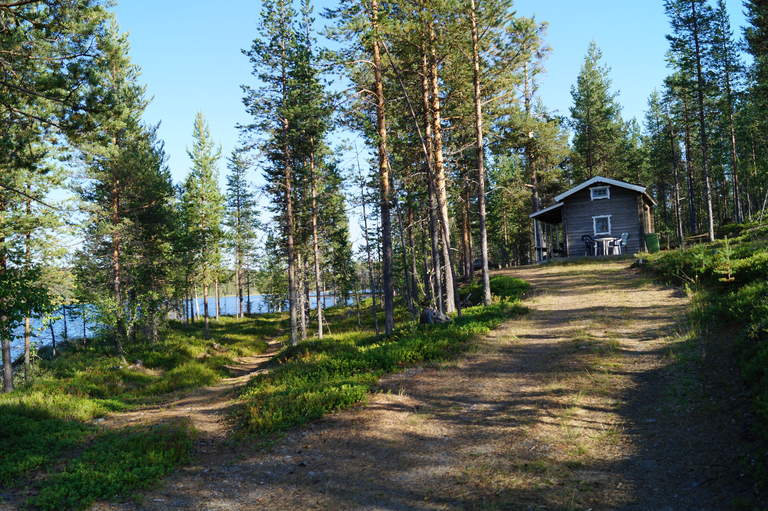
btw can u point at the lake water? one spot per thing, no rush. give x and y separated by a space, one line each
41 333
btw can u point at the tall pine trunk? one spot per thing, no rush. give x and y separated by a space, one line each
436 285
702 123
205 311
439 177
480 155
384 177
316 245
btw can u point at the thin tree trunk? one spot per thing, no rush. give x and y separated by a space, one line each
384 178
702 124
27 320
692 220
27 349
218 299
371 285
480 155
82 314
239 279
316 245
5 333
117 273
412 247
466 233
53 338
406 268
439 177
205 311
303 293
64 318
248 290
676 174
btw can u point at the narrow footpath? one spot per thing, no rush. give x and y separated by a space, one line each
574 406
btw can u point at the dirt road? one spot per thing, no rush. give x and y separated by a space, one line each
567 408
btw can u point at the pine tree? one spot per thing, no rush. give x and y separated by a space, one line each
241 218
203 206
596 120
272 107
690 42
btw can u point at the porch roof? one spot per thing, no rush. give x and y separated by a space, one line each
551 215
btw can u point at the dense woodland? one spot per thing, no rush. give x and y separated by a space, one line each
460 149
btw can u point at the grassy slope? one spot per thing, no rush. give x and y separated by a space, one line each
319 376
730 281
49 421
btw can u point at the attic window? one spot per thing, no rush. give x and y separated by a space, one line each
601 224
600 192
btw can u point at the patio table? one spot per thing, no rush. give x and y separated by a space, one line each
605 242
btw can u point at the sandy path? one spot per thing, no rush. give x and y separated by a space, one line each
207 409
560 410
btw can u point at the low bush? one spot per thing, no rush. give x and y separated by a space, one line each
113 465
731 279
320 376
503 287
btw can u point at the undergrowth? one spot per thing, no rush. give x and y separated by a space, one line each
51 442
50 420
730 281
322 375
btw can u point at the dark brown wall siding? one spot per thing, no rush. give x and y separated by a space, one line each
622 206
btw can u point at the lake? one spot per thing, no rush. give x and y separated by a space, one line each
41 334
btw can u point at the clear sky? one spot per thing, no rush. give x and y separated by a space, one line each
189 51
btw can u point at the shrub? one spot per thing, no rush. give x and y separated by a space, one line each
320 376
502 286
115 464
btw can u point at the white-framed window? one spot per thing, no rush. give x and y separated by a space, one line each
600 192
601 224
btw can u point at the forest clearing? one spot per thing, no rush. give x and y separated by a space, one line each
354 254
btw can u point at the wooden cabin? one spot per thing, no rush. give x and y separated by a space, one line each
610 212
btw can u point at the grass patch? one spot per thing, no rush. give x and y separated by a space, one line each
113 465
729 283
319 376
503 287
49 421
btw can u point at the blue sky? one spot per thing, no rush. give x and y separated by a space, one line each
189 51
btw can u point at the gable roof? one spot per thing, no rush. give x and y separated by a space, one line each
606 180
546 210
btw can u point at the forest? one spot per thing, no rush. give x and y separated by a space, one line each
459 150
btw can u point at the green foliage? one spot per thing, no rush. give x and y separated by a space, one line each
113 465
732 279
502 286
320 376
597 124
44 421
37 429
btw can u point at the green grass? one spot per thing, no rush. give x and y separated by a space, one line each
48 422
52 445
319 376
113 465
502 286
729 280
